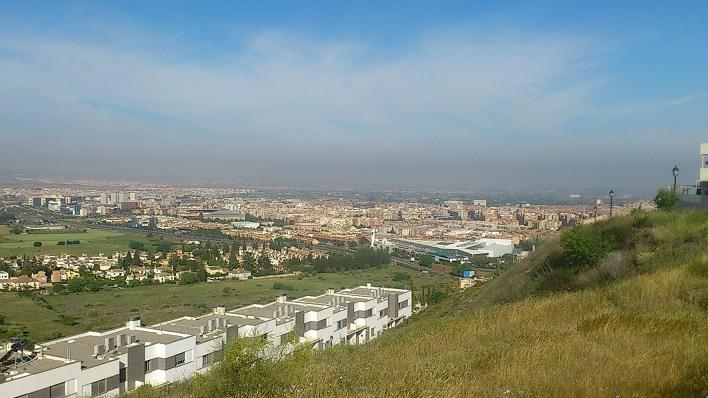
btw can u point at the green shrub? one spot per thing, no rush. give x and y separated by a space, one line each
187 278
136 245
400 276
282 286
699 267
583 247
666 199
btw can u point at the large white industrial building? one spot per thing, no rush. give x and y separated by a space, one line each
120 360
456 251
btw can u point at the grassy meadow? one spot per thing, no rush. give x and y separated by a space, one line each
631 323
92 242
113 306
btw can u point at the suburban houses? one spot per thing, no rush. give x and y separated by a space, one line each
116 361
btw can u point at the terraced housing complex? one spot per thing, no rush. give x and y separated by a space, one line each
120 360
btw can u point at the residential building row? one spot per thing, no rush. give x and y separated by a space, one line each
116 361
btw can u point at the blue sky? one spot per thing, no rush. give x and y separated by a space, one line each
468 95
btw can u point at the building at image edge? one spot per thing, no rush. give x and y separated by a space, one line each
116 361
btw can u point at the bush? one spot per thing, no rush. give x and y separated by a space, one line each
37 244
67 320
135 245
426 261
282 286
583 247
187 278
400 276
76 285
666 199
61 243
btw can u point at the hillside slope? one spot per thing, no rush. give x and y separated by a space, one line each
627 317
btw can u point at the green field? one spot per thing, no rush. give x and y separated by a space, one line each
93 241
112 307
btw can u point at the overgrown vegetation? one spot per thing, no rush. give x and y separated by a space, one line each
616 308
666 199
362 258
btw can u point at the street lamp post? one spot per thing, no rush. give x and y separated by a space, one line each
675 172
612 195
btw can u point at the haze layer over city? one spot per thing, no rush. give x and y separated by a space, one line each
467 96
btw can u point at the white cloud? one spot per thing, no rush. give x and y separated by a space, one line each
685 99
284 95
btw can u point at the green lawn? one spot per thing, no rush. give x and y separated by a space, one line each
112 307
4 231
93 241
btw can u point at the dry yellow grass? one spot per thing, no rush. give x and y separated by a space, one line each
644 336
637 338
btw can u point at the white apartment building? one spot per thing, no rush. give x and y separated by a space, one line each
116 361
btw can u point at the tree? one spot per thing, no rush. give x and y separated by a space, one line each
94 284
188 277
76 285
426 260
666 199
37 244
233 261
249 263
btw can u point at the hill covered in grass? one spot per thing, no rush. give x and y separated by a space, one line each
617 308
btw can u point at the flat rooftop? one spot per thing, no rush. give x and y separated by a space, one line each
81 347
277 310
37 365
366 291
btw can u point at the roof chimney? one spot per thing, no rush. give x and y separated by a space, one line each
220 309
134 322
330 291
368 285
282 299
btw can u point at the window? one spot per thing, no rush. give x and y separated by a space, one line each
206 360
341 324
284 339
403 304
322 324
57 391
122 375
179 360
148 368
99 387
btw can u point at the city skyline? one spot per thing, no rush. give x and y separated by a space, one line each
458 96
